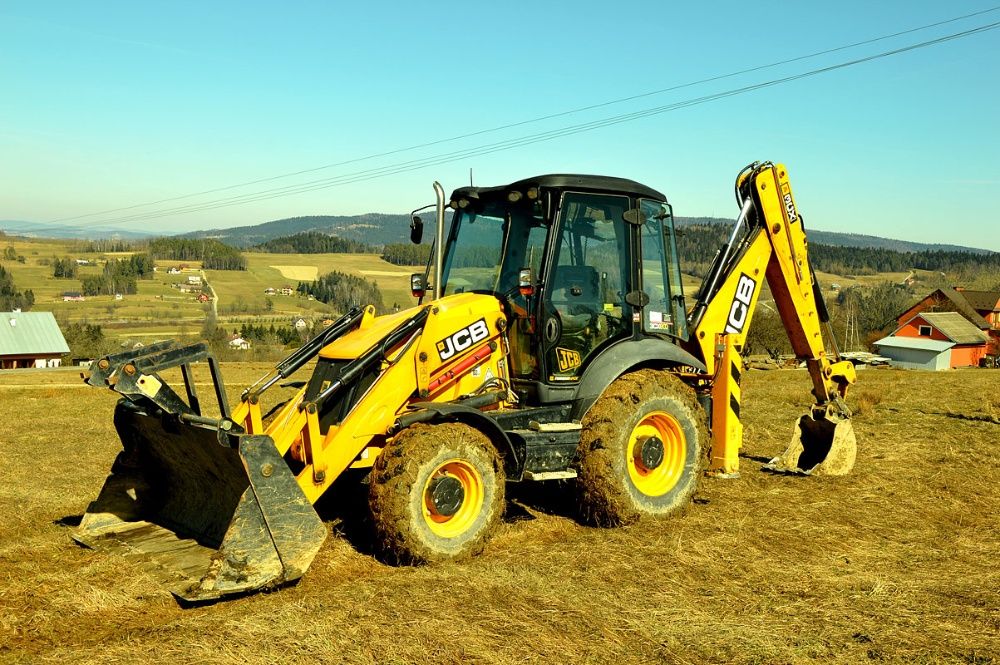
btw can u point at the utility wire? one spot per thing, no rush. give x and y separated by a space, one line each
369 174
528 121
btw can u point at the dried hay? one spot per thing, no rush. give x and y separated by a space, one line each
298 273
894 563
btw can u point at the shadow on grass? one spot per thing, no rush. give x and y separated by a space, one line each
763 459
69 521
551 497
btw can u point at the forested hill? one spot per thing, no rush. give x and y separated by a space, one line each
313 242
371 229
837 239
698 243
378 229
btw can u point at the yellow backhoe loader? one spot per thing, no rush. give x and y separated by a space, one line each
551 341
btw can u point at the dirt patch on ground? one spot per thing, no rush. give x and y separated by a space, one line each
298 273
894 563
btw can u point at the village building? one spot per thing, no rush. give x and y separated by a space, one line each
30 339
299 323
203 297
981 308
935 341
194 279
270 291
239 343
173 270
72 296
286 290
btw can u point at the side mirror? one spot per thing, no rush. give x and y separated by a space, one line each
634 216
526 282
417 286
416 230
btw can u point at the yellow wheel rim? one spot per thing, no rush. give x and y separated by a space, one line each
474 495
662 478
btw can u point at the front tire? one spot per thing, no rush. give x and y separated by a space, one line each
436 493
642 449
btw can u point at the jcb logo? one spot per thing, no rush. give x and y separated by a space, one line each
463 339
740 308
568 359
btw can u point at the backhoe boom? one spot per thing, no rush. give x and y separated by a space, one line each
769 242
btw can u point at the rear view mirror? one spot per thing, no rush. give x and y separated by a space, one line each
416 230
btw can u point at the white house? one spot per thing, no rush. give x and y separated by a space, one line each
239 343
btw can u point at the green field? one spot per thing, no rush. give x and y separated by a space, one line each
159 311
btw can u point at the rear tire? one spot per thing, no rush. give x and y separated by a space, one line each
642 449
436 493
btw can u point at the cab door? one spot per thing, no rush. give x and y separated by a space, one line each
589 273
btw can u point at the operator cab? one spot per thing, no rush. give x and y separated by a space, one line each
580 262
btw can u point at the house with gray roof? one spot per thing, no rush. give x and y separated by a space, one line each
981 308
935 341
30 339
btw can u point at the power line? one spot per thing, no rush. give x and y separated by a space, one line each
523 122
369 174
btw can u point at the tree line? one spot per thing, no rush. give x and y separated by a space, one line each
212 254
105 245
406 254
259 335
698 244
10 297
119 276
65 268
343 291
314 242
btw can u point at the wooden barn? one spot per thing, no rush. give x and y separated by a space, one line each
30 339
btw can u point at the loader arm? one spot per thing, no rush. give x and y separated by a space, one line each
768 242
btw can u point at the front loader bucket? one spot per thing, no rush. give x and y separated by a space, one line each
218 513
822 444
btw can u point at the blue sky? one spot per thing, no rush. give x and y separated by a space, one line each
115 104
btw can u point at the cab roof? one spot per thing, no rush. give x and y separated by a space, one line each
583 183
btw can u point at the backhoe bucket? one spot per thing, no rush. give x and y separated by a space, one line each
217 512
822 444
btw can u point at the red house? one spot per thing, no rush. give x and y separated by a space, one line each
980 308
969 342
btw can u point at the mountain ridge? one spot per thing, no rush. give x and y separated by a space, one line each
385 228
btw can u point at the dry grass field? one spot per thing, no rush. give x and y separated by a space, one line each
897 562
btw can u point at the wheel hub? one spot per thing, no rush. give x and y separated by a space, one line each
447 495
650 452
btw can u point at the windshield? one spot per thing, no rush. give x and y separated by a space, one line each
487 248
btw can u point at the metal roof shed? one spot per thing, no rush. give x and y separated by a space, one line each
916 352
30 339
